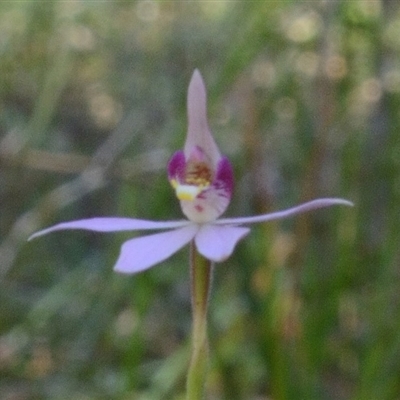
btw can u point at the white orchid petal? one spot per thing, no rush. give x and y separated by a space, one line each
217 242
111 224
302 208
199 134
144 252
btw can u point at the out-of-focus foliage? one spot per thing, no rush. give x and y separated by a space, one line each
304 97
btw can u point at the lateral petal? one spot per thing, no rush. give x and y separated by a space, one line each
111 224
217 242
144 252
302 208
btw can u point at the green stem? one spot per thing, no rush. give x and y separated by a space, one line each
201 274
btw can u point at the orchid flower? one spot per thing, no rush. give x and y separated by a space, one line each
203 182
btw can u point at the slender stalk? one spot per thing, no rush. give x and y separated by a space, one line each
201 277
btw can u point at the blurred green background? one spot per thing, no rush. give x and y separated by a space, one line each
304 97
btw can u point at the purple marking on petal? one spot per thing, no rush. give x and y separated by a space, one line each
176 166
302 208
144 252
207 206
213 200
111 224
224 176
199 133
218 242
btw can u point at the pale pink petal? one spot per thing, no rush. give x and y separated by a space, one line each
302 208
111 224
218 242
199 133
144 252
